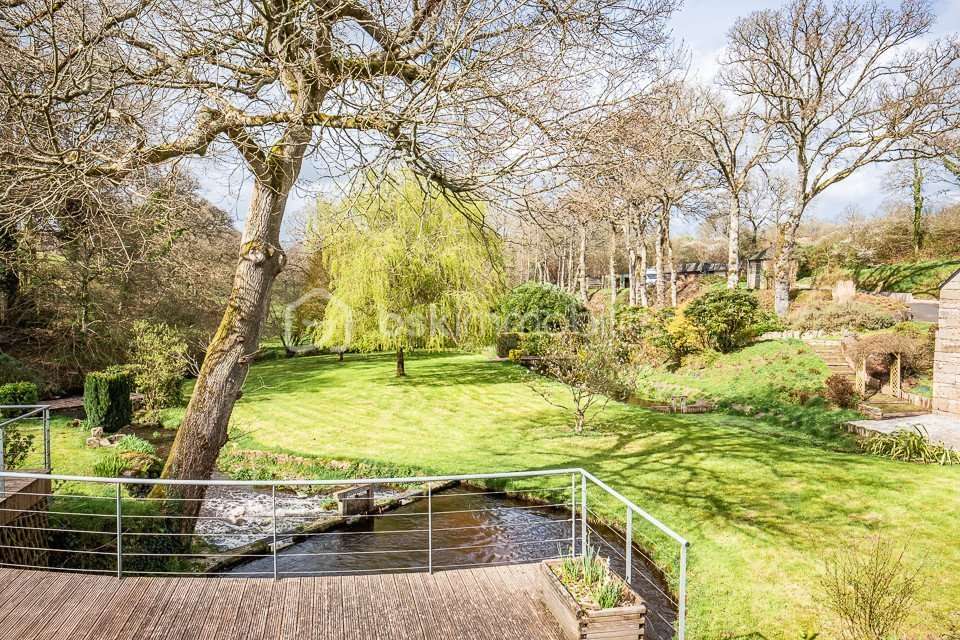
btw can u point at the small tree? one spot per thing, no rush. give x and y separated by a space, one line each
871 589
159 359
106 399
590 367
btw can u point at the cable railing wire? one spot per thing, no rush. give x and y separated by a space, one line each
131 538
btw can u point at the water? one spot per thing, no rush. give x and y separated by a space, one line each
232 516
470 528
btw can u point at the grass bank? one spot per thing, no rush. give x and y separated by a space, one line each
763 499
778 382
921 278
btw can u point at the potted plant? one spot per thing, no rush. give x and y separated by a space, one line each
590 601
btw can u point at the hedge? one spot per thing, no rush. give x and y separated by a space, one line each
17 393
106 399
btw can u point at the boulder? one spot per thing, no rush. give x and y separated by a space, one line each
140 465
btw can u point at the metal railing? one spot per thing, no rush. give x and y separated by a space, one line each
285 529
23 419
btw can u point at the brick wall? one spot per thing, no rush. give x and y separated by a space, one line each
946 361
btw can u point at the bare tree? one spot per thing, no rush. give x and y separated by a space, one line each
466 92
871 588
843 85
591 369
735 142
669 168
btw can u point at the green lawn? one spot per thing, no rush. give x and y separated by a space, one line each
762 500
780 381
921 278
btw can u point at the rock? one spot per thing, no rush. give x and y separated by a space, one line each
235 515
97 432
140 465
93 443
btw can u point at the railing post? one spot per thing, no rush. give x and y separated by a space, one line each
119 533
573 514
273 494
682 595
429 528
628 569
583 515
48 465
3 465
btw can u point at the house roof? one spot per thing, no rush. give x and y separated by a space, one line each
764 254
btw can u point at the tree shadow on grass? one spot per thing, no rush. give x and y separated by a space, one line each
907 277
718 471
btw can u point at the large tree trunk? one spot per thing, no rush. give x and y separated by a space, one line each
203 431
918 232
630 246
401 364
673 272
613 271
733 243
644 301
782 266
661 281
560 263
663 242
582 266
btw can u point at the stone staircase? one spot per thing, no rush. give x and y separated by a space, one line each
877 405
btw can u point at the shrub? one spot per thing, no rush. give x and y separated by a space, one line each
766 321
17 393
836 317
534 343
12 370
516 355
633 324
108 465
106 399
533 306
724 317
841 392
871 590
16 446
158 361
910 446
507 342
134 444
674 335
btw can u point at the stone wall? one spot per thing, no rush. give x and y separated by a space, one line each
946 360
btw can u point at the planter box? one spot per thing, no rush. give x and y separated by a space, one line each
576 622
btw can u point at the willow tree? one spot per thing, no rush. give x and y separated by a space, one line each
468 92
408 268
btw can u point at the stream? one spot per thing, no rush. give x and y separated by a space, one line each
470 528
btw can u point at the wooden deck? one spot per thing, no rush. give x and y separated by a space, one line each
495 603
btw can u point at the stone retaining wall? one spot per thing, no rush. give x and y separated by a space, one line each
946 360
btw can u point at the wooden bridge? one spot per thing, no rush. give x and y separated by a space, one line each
493 603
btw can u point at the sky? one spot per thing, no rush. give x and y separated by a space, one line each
701 25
